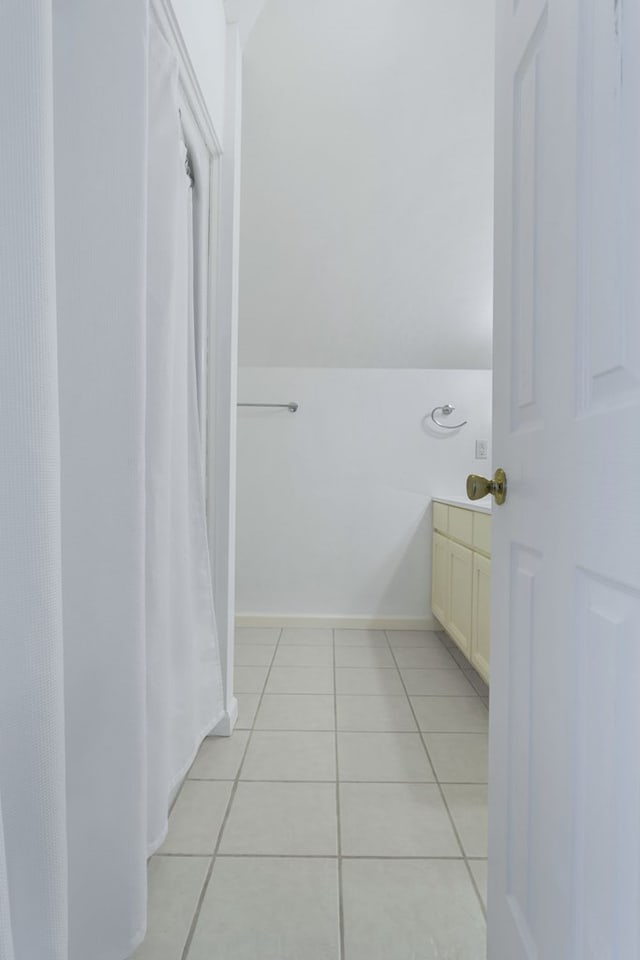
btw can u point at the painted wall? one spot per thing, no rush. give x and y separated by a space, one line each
366 231
334 511
203 26
244 13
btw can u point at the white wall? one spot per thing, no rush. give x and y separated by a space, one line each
334 501
366 232
244 13
203 26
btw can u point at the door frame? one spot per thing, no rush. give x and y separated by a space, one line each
217 400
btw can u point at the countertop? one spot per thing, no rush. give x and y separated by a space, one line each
480 506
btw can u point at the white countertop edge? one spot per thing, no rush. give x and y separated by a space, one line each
477 505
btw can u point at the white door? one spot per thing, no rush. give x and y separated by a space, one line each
564 875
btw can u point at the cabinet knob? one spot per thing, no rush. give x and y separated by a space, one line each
479 487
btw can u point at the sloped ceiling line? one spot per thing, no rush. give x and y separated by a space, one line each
245 13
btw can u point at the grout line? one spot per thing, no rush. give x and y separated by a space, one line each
340 857
406 783
257 693
349 730
442 794
407 733
355 729
234 790
314 693
314 856
338 820
475 885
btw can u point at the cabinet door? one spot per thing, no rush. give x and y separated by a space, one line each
481 633
440 578
460 596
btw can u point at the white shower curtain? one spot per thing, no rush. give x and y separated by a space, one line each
185 685
109 670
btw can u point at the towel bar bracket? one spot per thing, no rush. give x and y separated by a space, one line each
291 407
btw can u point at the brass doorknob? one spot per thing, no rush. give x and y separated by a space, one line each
478 487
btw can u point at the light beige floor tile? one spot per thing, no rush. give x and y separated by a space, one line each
395 820
440 683
479 871
360 638
310 635
282 819
247 707
371 713
468 807
267 635
175 885
304 655
451 714
363 681
264 909
411 910
250 679
364 657
196 818
383 757
288 755
459 757
300 680
414 638
219 758
253 654
429 657
296 711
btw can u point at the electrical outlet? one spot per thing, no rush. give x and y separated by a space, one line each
482 449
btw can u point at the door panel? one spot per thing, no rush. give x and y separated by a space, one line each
440 579
481 620
607 890
525 408
564 874
460 596
609 358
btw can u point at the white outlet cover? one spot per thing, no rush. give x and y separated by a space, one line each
482 449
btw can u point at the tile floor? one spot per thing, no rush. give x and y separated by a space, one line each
346 817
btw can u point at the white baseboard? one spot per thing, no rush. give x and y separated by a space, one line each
224 727
335 622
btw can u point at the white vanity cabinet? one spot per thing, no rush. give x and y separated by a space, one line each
461 579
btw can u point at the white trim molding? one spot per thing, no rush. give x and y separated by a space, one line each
336 622
224 728
219 340
190 86
223 397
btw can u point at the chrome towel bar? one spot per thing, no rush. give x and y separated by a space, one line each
291 407
447 410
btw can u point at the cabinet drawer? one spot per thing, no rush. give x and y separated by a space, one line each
440 517
461 525
482 532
